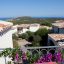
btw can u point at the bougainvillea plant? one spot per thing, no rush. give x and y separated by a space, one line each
17 54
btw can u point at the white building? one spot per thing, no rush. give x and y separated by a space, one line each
47 27
14 29
58 27
6 31
23 28
56 39
5 34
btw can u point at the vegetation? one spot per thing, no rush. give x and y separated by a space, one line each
15 43
46 23
38 38
12 53
15 38
23 36
18 55
29 20
42 32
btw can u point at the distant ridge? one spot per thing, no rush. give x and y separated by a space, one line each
48 17
8 18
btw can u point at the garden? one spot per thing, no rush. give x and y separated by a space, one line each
20 57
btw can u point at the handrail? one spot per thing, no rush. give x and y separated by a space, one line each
43 47
32 49
36 47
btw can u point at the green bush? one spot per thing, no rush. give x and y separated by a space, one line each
47 23
23 36
36 40
41 32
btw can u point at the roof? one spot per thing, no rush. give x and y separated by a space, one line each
59 21
28 25
47 27
59 25
23 25
34 25
56 37
4 25
23 42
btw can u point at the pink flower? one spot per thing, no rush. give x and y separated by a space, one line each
17 57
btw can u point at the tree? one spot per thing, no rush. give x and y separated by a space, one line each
42 32
30 36
36 40
47 23
23 36
15 37
30 33
15 43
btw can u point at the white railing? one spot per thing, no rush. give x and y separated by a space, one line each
38 49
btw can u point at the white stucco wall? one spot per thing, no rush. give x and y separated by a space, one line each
2 60
14 29
33 28
24 30
6 40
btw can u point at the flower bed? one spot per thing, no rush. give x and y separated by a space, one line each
18 55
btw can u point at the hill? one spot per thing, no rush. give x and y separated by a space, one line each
29 20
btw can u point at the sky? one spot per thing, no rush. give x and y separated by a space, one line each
34 8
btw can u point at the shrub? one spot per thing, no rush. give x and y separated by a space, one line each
23 36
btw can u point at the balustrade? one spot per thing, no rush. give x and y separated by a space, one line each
41 51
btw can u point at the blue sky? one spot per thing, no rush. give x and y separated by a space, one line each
38 8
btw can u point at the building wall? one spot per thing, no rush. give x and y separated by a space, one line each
33 28
61 30
55 29
6 40
2 60
24 30
14 29
50 39
58 30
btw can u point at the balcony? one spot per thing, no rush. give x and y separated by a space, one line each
36 55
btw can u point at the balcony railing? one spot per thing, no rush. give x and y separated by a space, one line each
45 49
40 50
